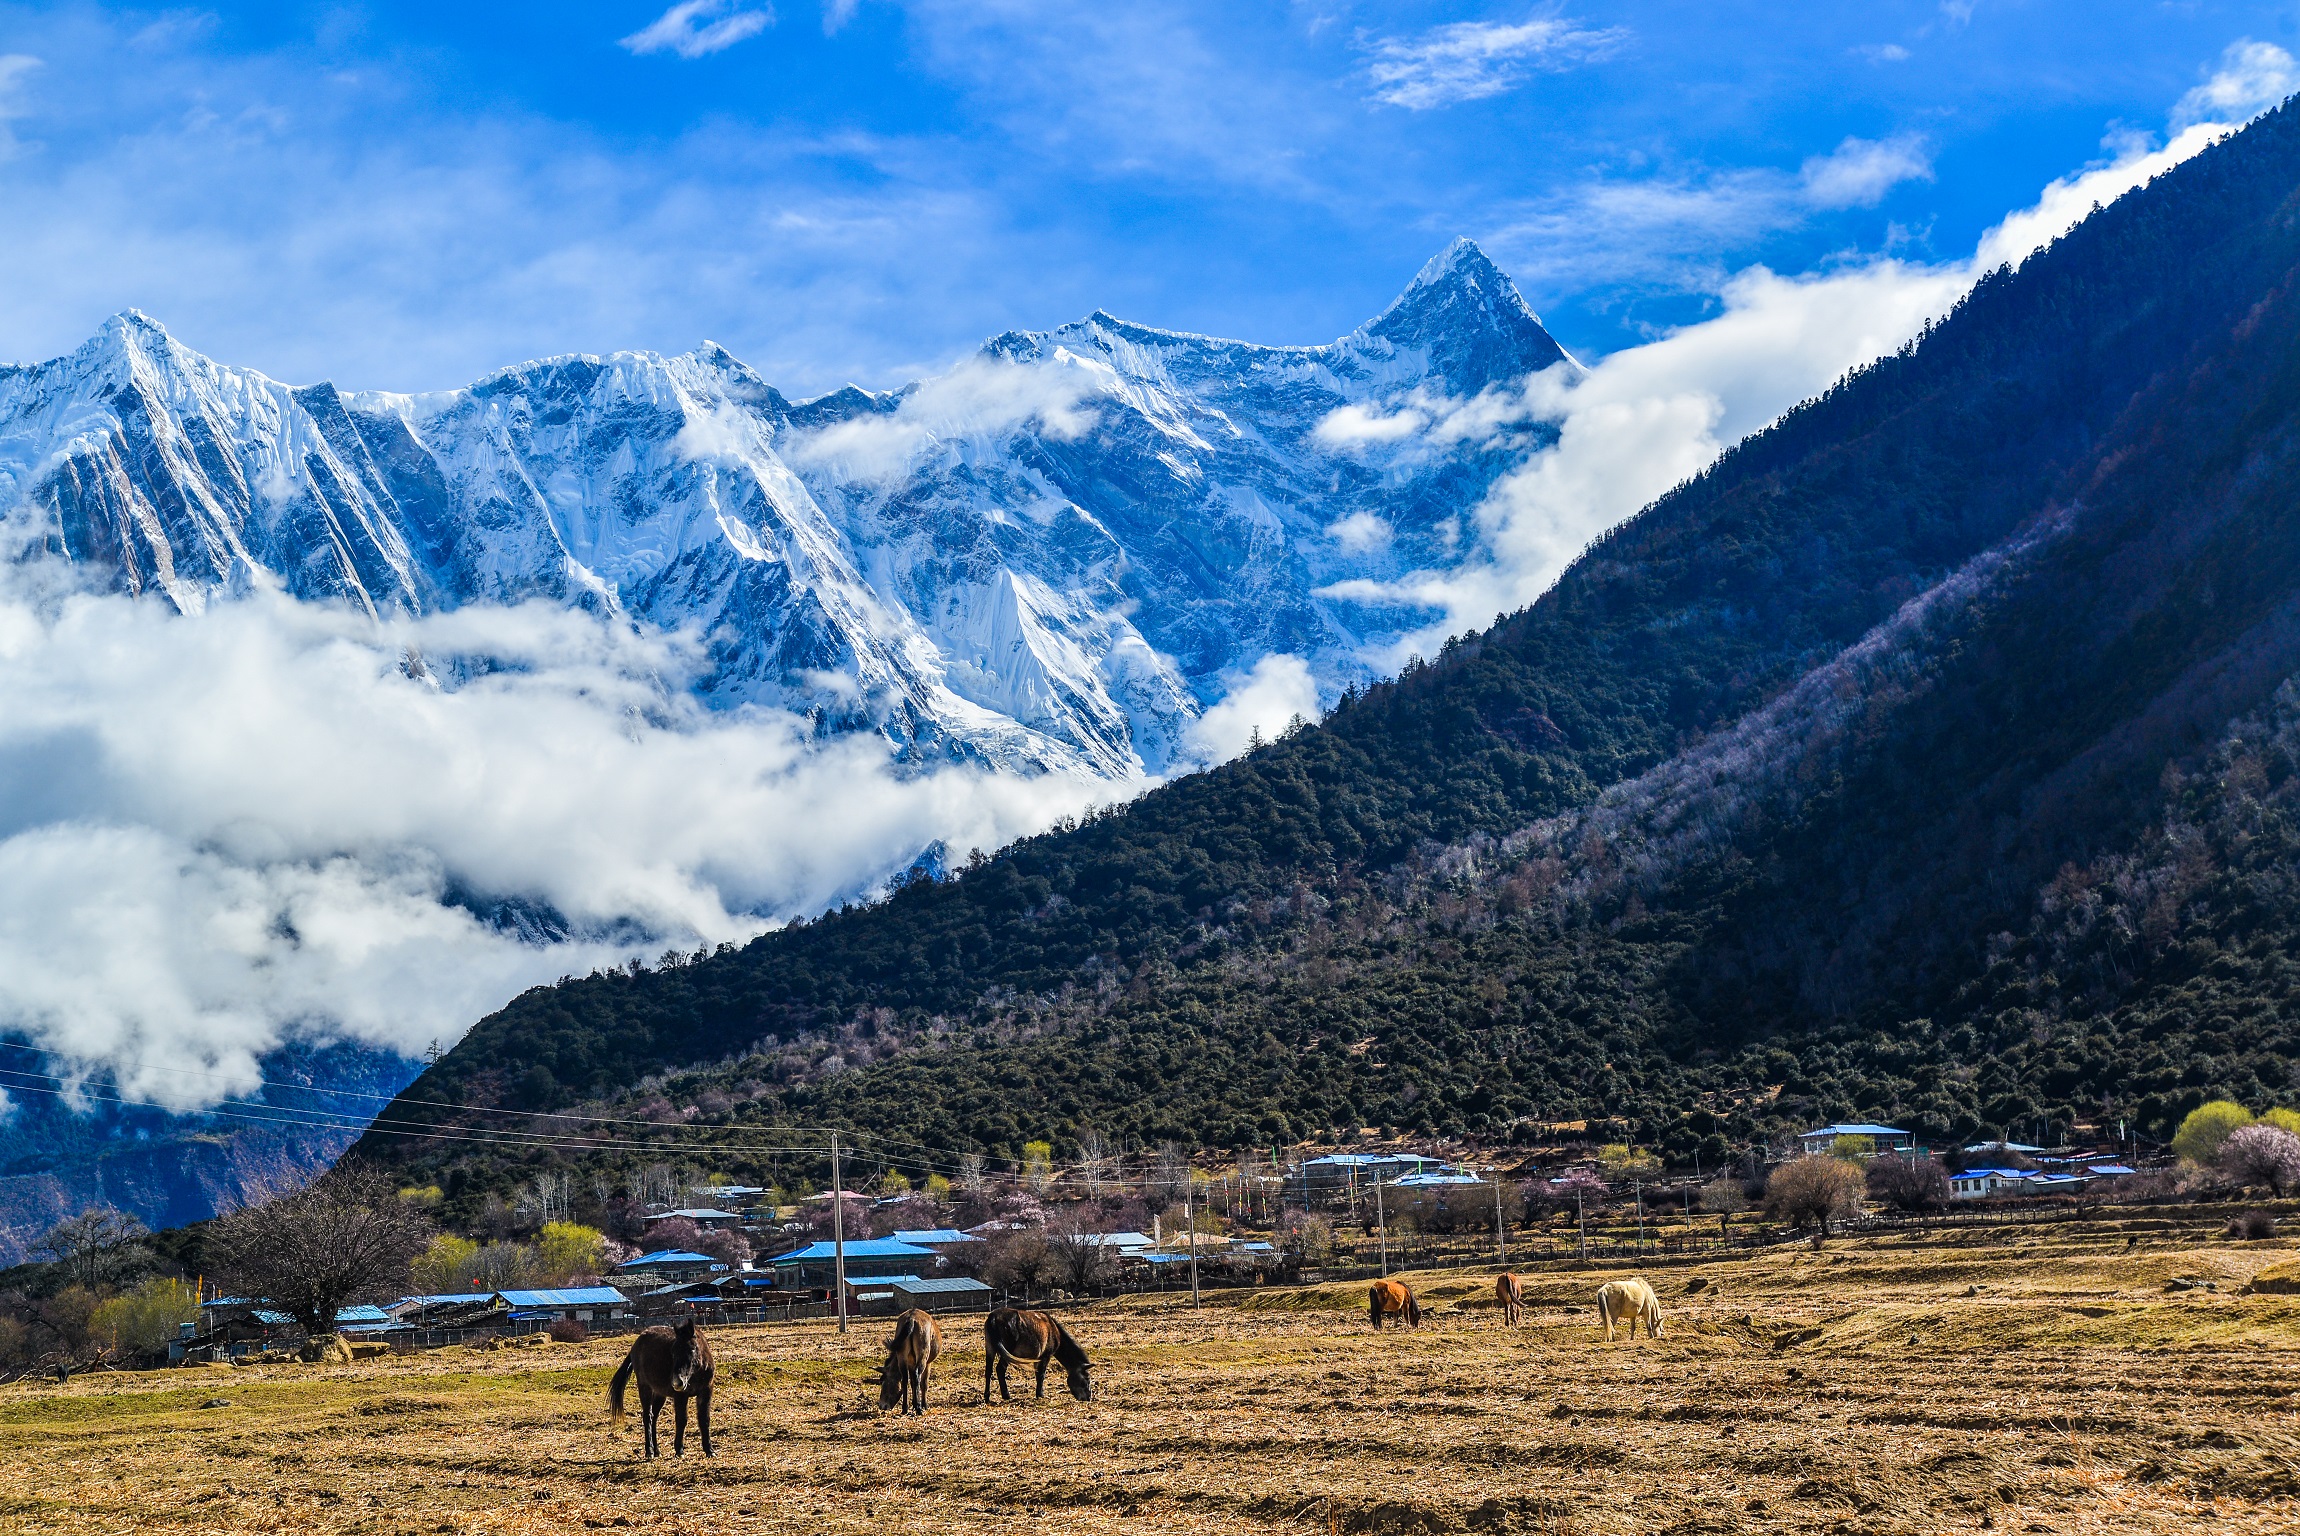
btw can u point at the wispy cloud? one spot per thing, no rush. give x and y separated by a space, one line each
837 13
2252 78
1467 60
1859 172
1881 53
1671 230
13 68
694 28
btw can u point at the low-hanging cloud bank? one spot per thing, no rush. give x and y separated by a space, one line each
1648 418
274 820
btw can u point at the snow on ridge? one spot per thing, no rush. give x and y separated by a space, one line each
1084 536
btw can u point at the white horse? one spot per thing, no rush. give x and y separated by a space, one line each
1631 1302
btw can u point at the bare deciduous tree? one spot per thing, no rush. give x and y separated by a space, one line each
1812 1190
1077 1259
314 1252
94 1248
1093 1161
1169 1173
970 1172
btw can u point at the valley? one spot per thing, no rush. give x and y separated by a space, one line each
2014 1380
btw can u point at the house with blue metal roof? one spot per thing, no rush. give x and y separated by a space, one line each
582 1304
938 1238
669 1263
708 1218
1887 1138
869 1258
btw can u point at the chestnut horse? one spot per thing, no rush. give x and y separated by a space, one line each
1393 1296
672 1363
1510 1292
1010 1334
909 1356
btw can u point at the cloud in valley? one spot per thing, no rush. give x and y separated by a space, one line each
271 819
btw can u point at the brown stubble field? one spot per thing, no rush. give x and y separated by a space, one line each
2011 1383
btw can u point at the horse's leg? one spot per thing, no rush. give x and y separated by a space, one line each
679 1424
1043 1362
1004 1395
649 1406
703 1416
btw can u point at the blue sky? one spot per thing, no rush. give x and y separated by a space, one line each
405 196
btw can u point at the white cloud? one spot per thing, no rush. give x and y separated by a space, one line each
1355 426
983 397
218 832
1649 417
2252 78
1360 532
837 13
693 29
1265 700
1859 172
1881 53
1467 60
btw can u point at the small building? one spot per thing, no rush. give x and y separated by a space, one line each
952 1295
1886 1138
707 1218
948 1241
1434 1180
1342 1171
582 1304
1124 1245
880 1258
668 1264
445 1310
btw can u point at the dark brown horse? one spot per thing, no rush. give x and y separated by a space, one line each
1510 1292
909 1356
1393 1297
1010 1334
672 1363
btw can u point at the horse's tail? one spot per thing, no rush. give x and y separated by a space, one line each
615 1388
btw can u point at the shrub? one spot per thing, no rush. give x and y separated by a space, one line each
2282 1119
1908 1183
1812 1190
2253 1224
568 1330
1853 1149
2262 1154
2207 1126
1724 1196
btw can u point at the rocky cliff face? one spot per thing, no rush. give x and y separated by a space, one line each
1053 557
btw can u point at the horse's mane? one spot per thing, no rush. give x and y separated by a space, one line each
1066 1348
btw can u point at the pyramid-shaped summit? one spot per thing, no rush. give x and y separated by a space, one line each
1467 314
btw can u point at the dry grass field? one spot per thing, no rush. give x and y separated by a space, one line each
2013 1382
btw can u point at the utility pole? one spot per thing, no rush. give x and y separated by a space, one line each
1500 1237
1382 1224
1640 1218
838 1233
1581 1221
1190 1220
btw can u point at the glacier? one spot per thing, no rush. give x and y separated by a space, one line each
1054 557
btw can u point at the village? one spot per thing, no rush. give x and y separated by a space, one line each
721 1253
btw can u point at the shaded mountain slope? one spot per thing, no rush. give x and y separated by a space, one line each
2077 477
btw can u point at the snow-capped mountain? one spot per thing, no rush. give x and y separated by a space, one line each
1055 556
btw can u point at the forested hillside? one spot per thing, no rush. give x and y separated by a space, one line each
1661 846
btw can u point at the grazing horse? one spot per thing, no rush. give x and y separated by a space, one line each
1510 1292
673 1363
1631 1302
909 1356
1010 1334
1393 1296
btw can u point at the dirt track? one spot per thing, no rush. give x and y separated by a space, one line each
2037 1384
